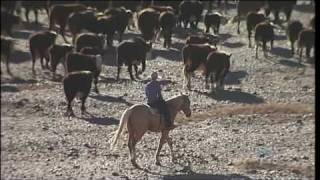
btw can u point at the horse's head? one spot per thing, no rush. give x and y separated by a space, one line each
185 106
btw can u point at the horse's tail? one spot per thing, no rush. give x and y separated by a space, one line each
124 119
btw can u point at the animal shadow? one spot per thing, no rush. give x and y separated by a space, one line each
282 52
108 98
233 96
234 77
101 120
289 63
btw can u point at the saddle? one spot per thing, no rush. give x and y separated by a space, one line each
154 111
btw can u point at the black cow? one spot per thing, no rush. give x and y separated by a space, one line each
6 50
194 57
167 23
293 30
82 62
253 18
190 11
8 21
39 43
77 83
217 66
57 54
263 33
132 52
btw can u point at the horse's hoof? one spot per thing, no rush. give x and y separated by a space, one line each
158 163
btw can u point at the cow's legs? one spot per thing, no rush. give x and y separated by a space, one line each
83 100
70 97
118 74
130 71
136 70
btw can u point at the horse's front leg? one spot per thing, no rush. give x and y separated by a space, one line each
163 139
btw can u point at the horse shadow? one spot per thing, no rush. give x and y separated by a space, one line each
178 45
109 57
182 33
106 121
306 8
5 88
234 77
224 36
21 34
169 54
282 52
19 57
280 37
233 44
233 96
111 99
200 176
18 80
289 63
161 82
34 26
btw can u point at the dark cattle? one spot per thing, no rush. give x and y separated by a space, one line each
82 62
263 33
277 6
96 74
244 7
8 21
89 40
57 54
39 43
148 23
82 20
99 5
77 83
173 4
121 18
293 29
6 50
9 6
108 27
306 39
312 23
203 39
253 18
167 23
190 11
132 52
59 15
161 9
217 67
194 58
35 6
132 5
212 20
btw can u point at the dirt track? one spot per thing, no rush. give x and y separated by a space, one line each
260 127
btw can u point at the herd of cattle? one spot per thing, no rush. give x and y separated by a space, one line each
82 59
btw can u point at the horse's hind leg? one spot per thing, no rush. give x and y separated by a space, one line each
171 149
163 139
132 150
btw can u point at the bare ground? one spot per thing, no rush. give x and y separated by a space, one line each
260 127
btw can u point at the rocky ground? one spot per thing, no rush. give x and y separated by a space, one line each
260 127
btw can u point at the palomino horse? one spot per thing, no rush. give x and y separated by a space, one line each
140 119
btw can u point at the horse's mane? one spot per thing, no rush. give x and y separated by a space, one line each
174 97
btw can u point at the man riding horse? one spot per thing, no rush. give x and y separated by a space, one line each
155 100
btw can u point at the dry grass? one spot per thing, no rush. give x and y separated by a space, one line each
233 110
255 164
